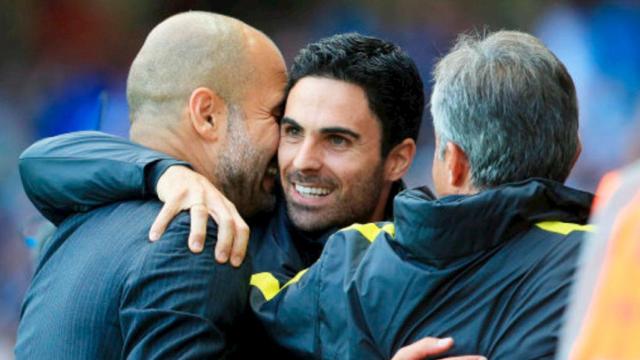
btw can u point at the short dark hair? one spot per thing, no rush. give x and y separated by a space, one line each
388 76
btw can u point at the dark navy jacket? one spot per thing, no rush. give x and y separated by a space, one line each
491 270
102 291
78 171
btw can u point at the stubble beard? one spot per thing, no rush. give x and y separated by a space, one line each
241 170
358 206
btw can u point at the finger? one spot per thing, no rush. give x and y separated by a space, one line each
241 241
198 231
423 348
225 235
218 210
241 235
167 213
466 357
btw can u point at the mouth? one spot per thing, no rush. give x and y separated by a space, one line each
311 192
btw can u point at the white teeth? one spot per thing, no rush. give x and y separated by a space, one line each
311 191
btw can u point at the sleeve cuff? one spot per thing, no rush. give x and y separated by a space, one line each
154 171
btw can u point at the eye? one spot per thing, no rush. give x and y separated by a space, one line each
338 141
291 131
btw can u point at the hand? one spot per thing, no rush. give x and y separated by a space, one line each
181 188
430 346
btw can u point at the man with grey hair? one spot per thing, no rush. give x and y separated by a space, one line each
491 261
201 84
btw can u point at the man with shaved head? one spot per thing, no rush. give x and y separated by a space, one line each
100 290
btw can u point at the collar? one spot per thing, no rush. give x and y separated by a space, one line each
437 231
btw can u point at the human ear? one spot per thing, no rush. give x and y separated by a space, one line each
458 168
399 159
207 113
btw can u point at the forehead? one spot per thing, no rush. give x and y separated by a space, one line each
317 102
269 73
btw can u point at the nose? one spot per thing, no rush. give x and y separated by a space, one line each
308 157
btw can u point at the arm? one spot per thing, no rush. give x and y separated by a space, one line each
79 171
288 309
179 305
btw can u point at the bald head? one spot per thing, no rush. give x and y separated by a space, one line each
185 52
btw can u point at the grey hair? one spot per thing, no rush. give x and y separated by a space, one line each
510 105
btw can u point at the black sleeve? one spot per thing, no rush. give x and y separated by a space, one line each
79 171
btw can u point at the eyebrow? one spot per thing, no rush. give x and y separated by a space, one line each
340 130
328 130
290 121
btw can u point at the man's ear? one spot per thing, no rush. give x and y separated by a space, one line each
207 113
399 159
458 168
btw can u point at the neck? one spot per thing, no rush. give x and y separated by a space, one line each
380 210
175 142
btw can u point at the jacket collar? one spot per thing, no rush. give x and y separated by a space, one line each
438 231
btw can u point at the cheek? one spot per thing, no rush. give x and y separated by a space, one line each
286 152
349 170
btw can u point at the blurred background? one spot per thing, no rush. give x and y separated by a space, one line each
64 66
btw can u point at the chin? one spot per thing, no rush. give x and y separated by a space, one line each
314 222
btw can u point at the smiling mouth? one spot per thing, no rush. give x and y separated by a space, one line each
311 191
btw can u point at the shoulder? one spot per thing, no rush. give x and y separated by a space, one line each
347 247
369 231
559 240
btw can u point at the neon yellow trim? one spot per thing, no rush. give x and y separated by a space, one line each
563 228
295 279
390 229
269 286
267 283
371 231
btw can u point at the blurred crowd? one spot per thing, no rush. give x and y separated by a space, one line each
65 63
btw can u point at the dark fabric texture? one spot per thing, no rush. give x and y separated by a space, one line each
103 291
79 171
476 268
